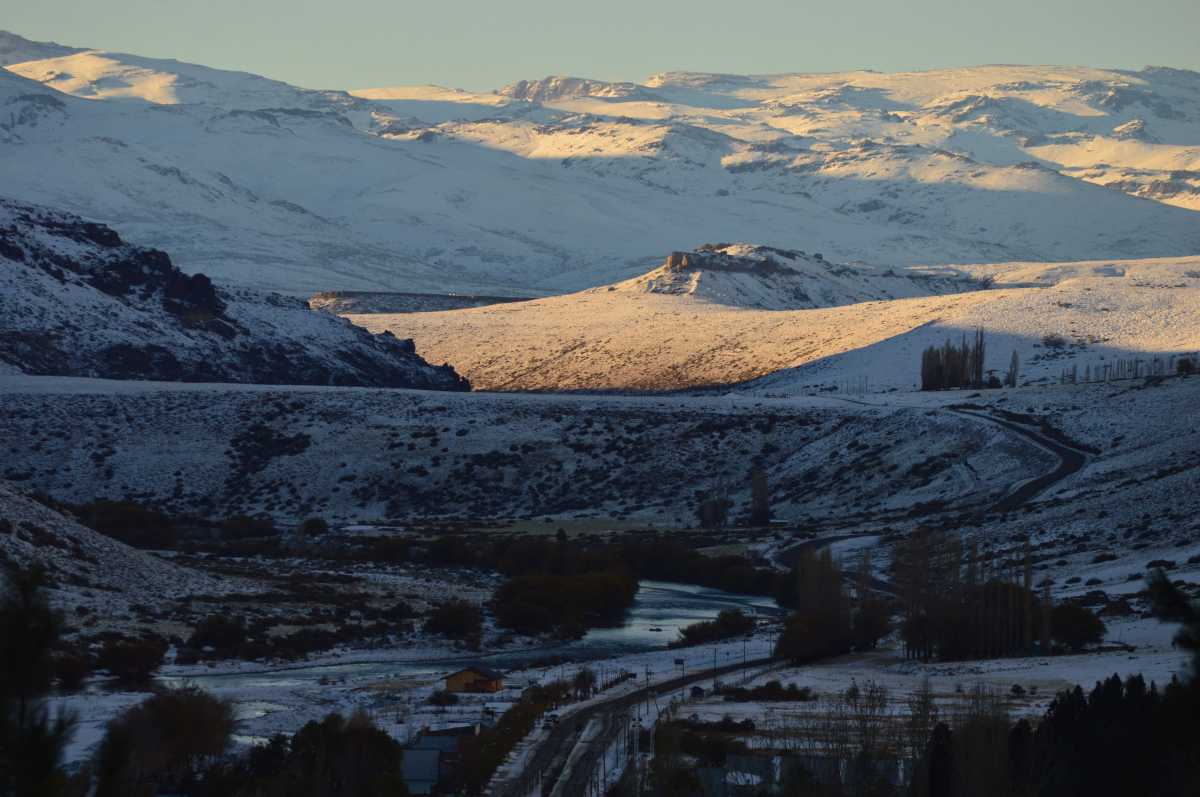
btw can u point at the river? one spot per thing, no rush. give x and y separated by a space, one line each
659 610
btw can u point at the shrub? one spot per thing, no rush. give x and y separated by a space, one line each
314 527
399 611
129 522
222 633
457 619
443 698
239 527
1076 626
729 623
161 743
771 692
132 660
72 668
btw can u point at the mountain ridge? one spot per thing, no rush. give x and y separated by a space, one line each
571 183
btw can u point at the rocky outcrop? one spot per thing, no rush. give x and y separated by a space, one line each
557 87
77 300
771 278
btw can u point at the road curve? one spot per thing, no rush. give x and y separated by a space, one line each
1070 460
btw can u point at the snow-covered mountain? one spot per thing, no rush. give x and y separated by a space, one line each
76 300
566 183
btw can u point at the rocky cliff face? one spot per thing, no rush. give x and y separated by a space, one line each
769 278
77 300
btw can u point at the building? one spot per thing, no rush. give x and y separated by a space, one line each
475 679
431 761
419 769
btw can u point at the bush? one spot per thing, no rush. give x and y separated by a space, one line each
456 619
1076 626
161 743
223 634
314 527
240 527
132 660
729 623
441 697
129 522
71 667
770 692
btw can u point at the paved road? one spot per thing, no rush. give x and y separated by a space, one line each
1070 460
550 757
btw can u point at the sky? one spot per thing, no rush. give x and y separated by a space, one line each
477 44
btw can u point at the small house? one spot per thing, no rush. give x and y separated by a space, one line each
475 679
420 771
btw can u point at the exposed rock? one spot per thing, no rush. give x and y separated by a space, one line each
77 300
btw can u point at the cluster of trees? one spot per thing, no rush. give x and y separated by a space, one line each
728 624
960 604
457 619
130 522
824 622
670 560
32 740
1121 737
954 366
335 757
568 603
772 691
483 754
712 506
143 527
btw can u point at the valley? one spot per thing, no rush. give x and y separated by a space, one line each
713 434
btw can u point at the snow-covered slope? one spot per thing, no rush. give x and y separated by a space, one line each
682 327
88 569
77 300
566 183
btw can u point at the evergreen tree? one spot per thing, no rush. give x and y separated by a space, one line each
760 498
1014 369
31 741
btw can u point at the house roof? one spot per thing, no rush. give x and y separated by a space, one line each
441 744
480 670
419 765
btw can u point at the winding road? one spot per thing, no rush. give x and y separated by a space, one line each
1070 460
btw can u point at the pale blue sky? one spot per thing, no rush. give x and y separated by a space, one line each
483 45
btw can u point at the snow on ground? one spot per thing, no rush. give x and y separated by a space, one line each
94 579
362 454
568 183
76 299
1055 316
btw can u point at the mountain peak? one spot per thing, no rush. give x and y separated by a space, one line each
16 49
